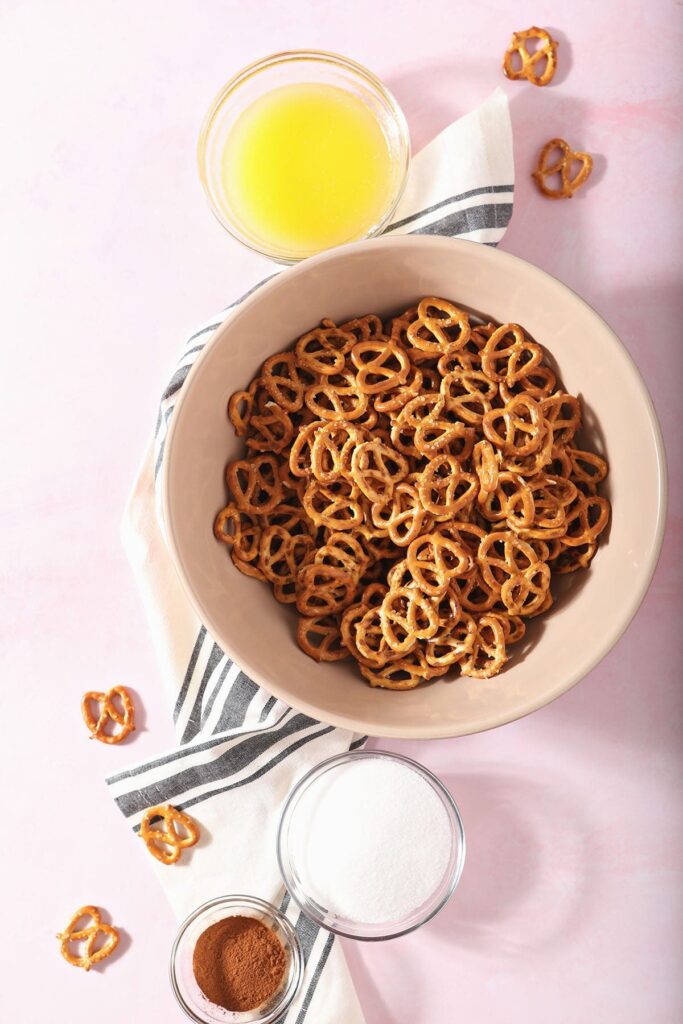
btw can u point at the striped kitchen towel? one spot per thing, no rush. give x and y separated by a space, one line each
239 749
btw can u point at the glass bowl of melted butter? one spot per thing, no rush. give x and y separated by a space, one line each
303 151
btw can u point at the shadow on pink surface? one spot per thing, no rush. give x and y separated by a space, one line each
374 1006
565 61
140 714
532 861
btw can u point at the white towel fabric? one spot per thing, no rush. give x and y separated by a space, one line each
240 750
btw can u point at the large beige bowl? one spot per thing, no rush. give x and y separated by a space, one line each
385 276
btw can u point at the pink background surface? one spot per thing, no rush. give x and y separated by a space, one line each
571 905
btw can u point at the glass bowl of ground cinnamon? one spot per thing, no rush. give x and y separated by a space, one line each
236 960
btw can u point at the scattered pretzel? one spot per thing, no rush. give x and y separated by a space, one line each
165 842
411 488
90 935
109 712
562 165
531 65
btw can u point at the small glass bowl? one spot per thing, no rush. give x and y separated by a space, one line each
334 922
190 997
296 66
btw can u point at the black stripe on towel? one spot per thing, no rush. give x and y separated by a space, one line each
490 215
208 706
204 330
307 931
184 805
313 983
187 752
267 708
190 672
176 382
237 702
237 757
483 191
194 722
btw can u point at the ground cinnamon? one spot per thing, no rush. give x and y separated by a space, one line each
238 963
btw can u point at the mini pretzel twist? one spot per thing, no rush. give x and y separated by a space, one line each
508 356
511 566
397 397
586 467
427 427
488 653
334 505
563 413
90 935
538 67
511 502
343 551
403 516
486 466
319 637
525 592
159 829
441 432
337 397
434 560
350 624
386 369
323 350
376 468
551 498
444 651
240 408
407 616
270 430
323 589
283 381
586 519
281 554
239 530
109 712
504 554
444 489
255 484
301 453
562 165
331 450
524 427
397 675
440 326
370 640
469 394
363 327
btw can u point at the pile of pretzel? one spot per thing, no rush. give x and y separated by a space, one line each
410 487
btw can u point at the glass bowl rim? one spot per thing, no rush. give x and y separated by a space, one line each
254 902
284 57
455 821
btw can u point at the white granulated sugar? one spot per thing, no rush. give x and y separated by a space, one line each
371 841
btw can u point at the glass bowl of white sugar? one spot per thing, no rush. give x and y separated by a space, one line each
370 844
